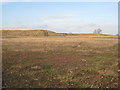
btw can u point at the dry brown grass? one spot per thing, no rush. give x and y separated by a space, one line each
71 61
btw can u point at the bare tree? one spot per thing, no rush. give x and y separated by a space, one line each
45 33
97 31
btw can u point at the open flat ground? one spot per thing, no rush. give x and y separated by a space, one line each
60 62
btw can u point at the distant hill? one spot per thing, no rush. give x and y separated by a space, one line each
19 33
24 33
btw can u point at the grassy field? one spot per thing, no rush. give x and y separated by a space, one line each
83 61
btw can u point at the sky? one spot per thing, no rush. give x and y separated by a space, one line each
68 17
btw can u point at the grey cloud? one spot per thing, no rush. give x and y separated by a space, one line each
92 25
56 17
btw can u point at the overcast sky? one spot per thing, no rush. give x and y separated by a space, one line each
74 17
